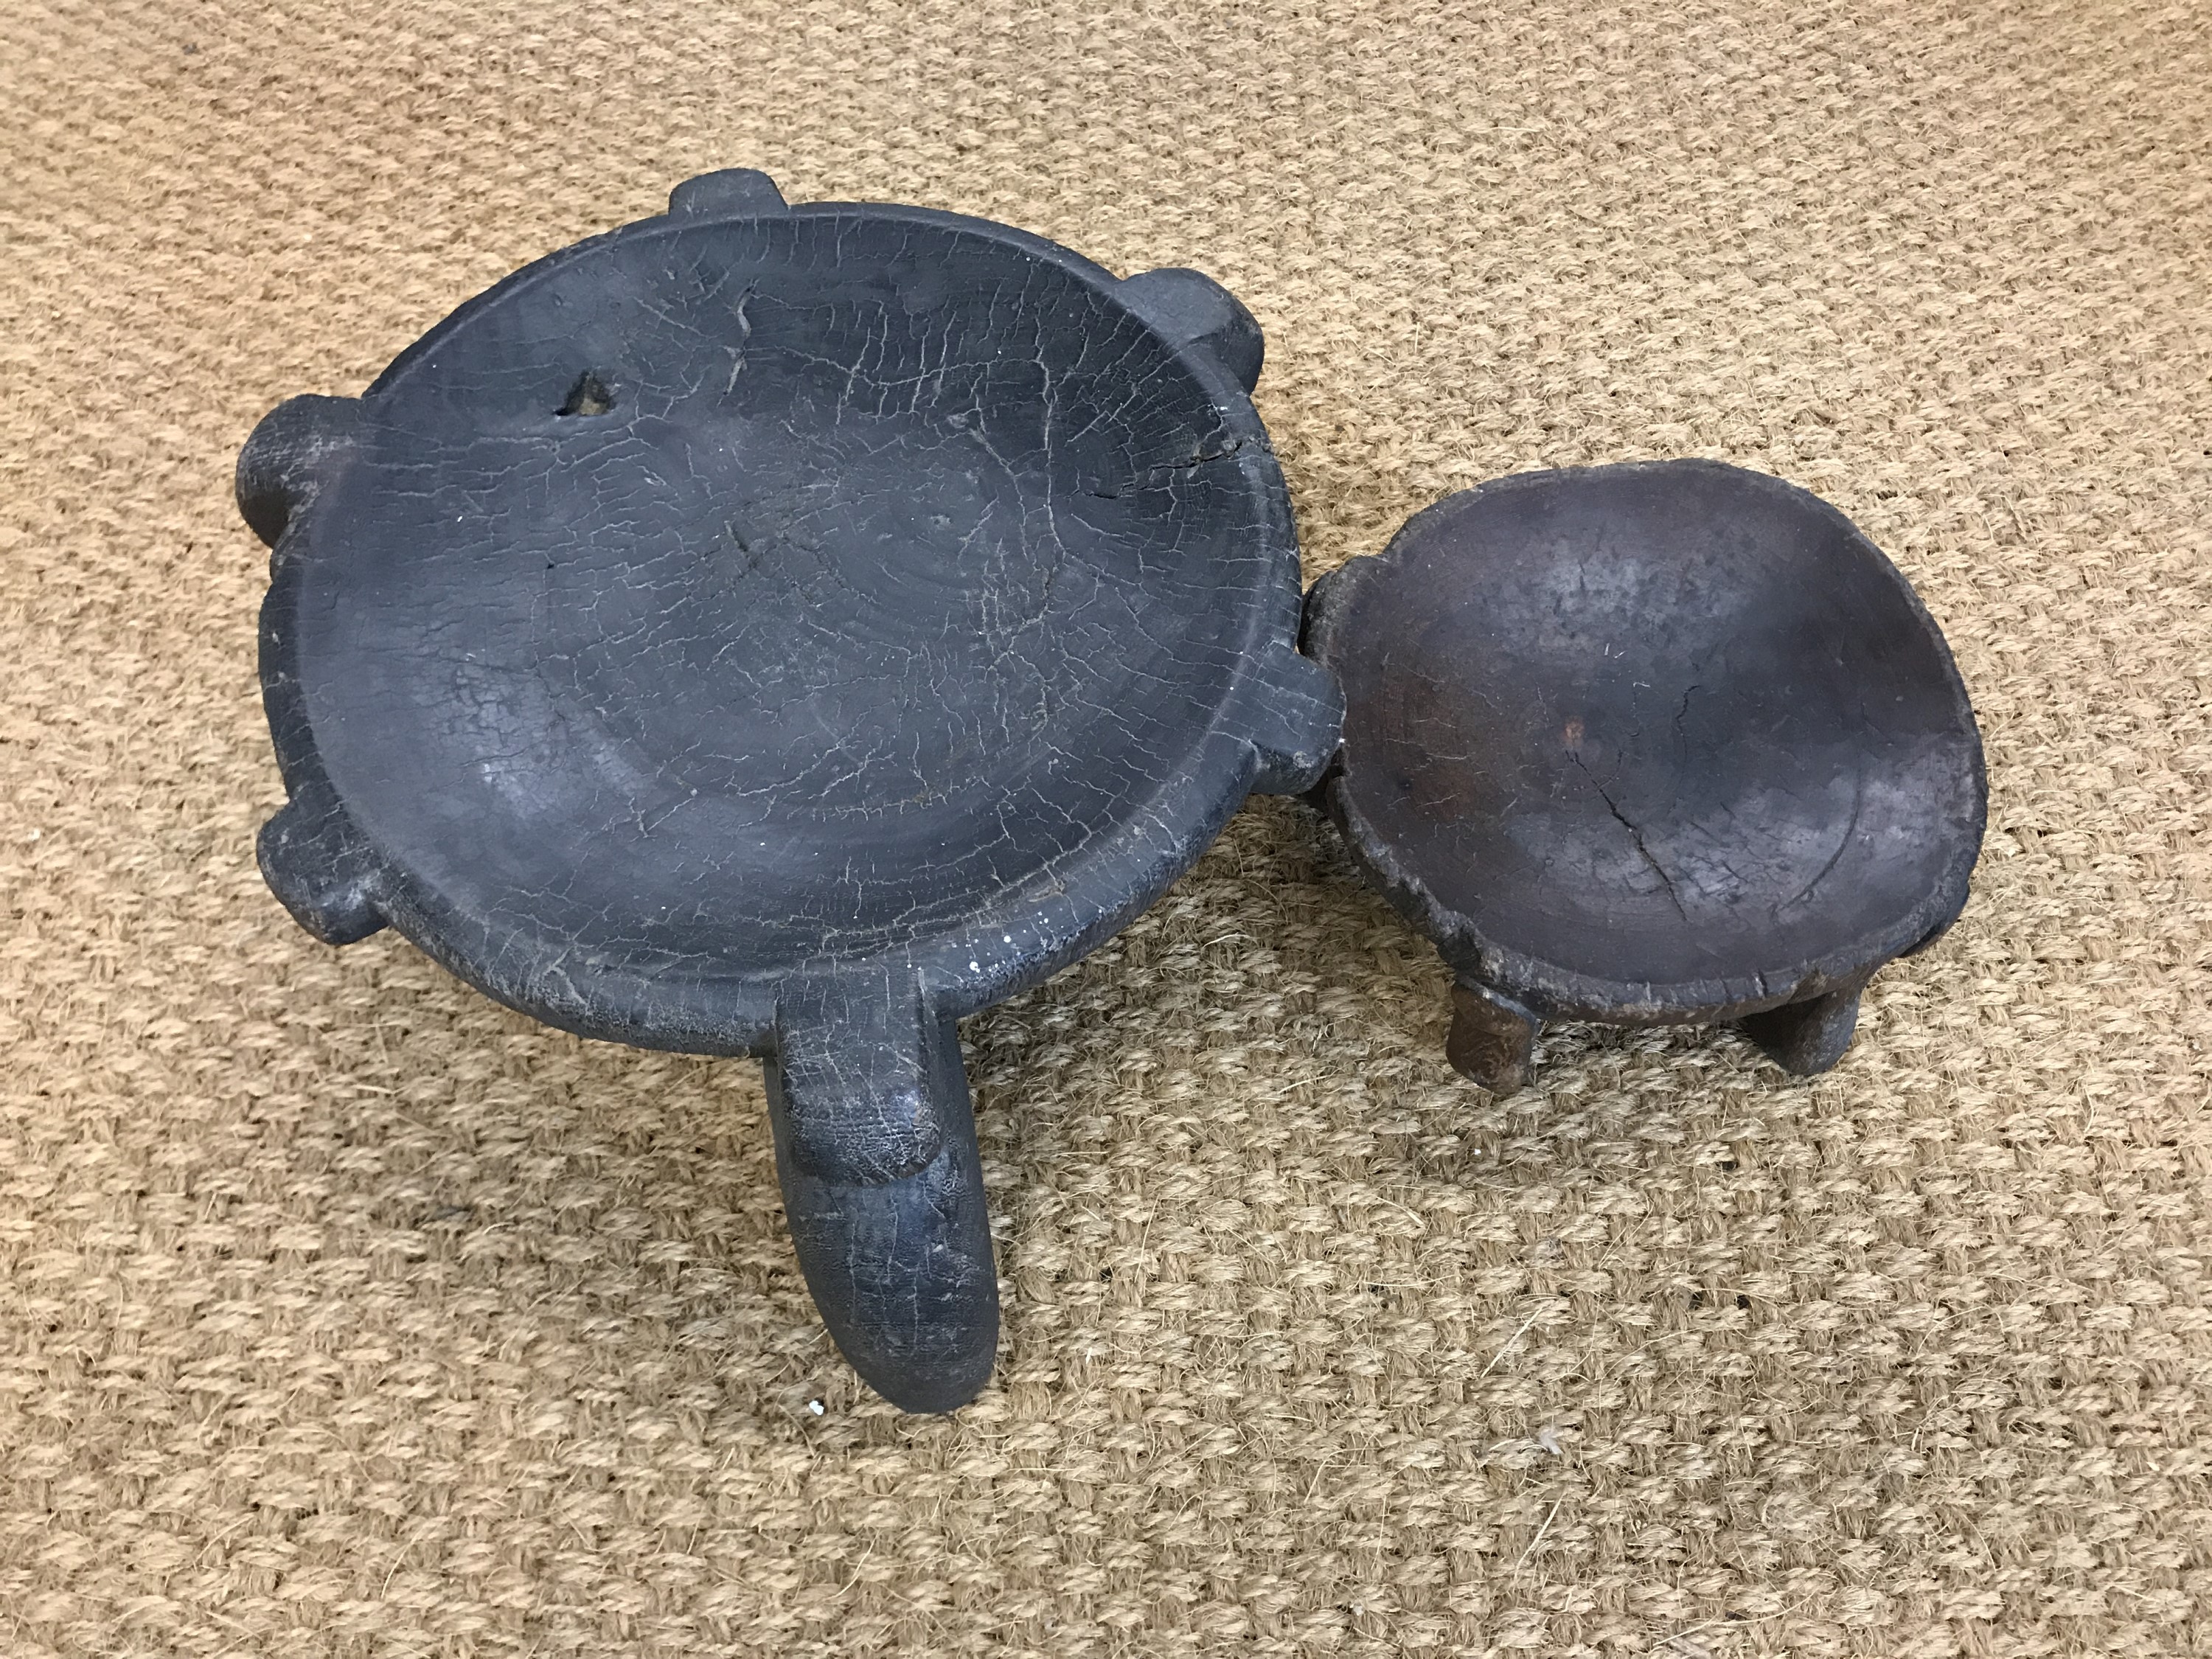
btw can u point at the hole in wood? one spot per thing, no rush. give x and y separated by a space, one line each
589 395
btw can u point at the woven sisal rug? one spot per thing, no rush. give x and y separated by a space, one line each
343 1312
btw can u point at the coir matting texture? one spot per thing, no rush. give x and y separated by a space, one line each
343 1312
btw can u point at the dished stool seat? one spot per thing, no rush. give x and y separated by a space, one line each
1653 743
783 630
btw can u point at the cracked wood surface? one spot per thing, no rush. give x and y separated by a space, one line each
344 1312
795 711
1659 742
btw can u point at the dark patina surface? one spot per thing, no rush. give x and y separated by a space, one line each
783 630
1667 742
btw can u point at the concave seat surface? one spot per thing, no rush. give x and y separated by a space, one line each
750 594
784 630
1655 739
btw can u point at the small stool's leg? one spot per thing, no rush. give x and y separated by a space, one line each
1807 1037
1491 1038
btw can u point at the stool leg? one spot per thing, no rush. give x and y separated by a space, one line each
1493 1038
883 1183
1806 1038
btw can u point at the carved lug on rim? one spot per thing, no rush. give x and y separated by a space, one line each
1191 308
732 193
288 458
313 862
1297 717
